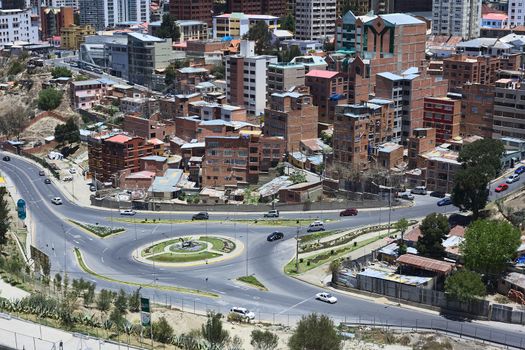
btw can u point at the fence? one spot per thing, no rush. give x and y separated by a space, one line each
502 313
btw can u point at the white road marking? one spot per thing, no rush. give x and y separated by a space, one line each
218 291
293 306
102 258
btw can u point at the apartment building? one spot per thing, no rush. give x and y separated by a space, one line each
460 69
189 29
292 116
328 89
86 93
146 54
284 76
143 106
177 106
198 10
53 19
358 131
477 109
18 25
108 155
315 20
440 167
516 13
509 106
246 75
459 18
213 111
421 141
103 14
359 7
310 62
187 78
237 24
389 155
444 115
276 8
74 36
148 128
407 91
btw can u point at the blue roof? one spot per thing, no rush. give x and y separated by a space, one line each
155 158
168 182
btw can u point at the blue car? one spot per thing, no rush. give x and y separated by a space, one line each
520 170
444 201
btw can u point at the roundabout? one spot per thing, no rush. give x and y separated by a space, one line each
189 250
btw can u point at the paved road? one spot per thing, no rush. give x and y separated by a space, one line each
286 296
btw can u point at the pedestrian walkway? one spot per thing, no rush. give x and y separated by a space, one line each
7 291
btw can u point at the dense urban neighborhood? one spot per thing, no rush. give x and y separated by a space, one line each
262 174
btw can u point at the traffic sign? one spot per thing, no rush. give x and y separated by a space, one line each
145 319
21 208
144 305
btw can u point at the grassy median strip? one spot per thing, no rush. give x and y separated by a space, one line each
317 235
280 222
156 221
99 230
253 281
182 258
85 268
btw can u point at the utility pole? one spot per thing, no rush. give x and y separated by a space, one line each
389 203
297 250
247 249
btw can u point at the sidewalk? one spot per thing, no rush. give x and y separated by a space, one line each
7 291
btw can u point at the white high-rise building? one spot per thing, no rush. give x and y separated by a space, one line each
315 19
108 13
17 26
61 3
456 17
516 13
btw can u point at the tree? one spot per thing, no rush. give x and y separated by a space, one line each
287 23
434 230
264 340
335 268
470 190
121 302
169 28
57 282
89 294
68 132
489 246
465 285
162 331
15 68
105 297
134 301
213 332
485 155
315 332
297 177
5 218
60 71
170 74
117 317
262 37
290 53
402 226
49 99
218 71
13 119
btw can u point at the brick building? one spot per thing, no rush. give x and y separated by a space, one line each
193 128
421 141
443 114
84 94
292 116
177 106
284 76
328 89
148 128
53 19
199 10
389 155
477 109
187 78
212 111
509 107
440 166
460 69
270 7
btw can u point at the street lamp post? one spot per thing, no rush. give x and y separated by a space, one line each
247 249
297 250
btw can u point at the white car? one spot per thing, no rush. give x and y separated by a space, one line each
127 212
243 312
419 190
315 226
68 178
56 200
513 178
326 297
72 171
406 195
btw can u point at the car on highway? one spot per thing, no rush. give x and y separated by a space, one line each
200 216
129 212
326 297
274 213
419 190
41 173
47 181
437 194
406 195
349 212
315 226
513 178
274 236
501 187
243 312
56 200
520 170
67 178
92 188
6 158
72 171
444 201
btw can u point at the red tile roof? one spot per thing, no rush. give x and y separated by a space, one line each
155 141
457 230
427 264
496 16
118 139
412 235
326 74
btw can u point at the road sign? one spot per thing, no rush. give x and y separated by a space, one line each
41 259
21 209
144 305
145 319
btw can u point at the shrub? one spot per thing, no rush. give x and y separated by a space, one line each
49 99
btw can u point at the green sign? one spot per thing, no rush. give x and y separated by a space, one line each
145 319
144 305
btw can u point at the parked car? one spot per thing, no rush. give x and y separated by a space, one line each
326 297
72 171
130 212
274 213
437 194
243 312
47 181
501 187
315 226
6 158
42 173
274 236
406 195
92 188
349 212
68 178
520 170
200 216
419 190
56 200
444 201
513 178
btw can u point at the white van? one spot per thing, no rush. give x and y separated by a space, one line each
419 190
315 226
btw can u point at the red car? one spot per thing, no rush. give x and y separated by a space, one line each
501 187
348 212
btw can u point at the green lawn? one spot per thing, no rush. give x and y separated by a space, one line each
280 222
150 221
317 235
252 280
217 243
180 258
99 230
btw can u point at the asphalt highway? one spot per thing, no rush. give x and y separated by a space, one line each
287 297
